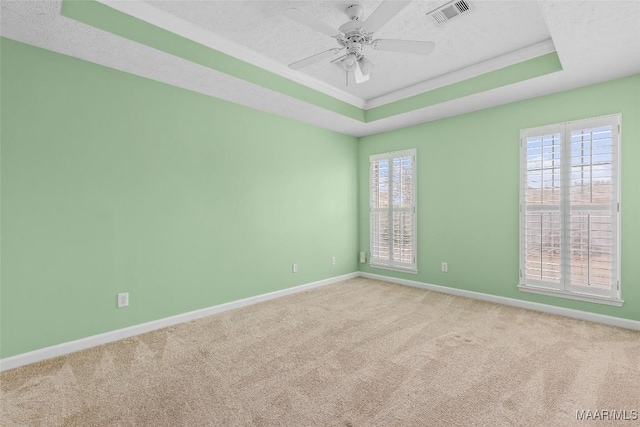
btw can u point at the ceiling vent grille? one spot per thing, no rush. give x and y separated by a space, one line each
449 11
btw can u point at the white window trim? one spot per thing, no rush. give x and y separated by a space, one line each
616 300
413 269
571 295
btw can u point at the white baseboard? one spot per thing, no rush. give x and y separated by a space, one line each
567 312
107 337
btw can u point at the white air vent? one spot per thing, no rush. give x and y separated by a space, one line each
449 11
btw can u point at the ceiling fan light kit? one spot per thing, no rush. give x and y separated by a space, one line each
354 35
350 62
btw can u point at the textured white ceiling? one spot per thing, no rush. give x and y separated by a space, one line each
491 29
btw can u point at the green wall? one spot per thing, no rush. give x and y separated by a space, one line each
468 173
115 183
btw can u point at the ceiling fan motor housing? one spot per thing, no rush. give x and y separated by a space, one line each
354 38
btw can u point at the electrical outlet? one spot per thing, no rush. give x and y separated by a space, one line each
444 267
333 260
363 257
294 268
123 300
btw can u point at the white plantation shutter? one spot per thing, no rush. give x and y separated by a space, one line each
570 208
380 233
542 214
593 205
393 210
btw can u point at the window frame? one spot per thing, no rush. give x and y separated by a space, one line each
390 264
565 288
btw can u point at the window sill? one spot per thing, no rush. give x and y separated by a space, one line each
571 295
398 269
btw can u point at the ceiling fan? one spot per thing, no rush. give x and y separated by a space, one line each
353 36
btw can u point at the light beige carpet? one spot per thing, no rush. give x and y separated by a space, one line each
357 353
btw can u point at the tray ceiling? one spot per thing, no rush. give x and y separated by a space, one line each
460 43
594 41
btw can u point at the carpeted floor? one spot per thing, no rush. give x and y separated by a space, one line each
357 353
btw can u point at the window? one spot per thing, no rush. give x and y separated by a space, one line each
393 210
569 212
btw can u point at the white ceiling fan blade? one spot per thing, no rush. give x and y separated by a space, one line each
366 66
387 10
405 46
360 78
314 58
311 22
338 60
